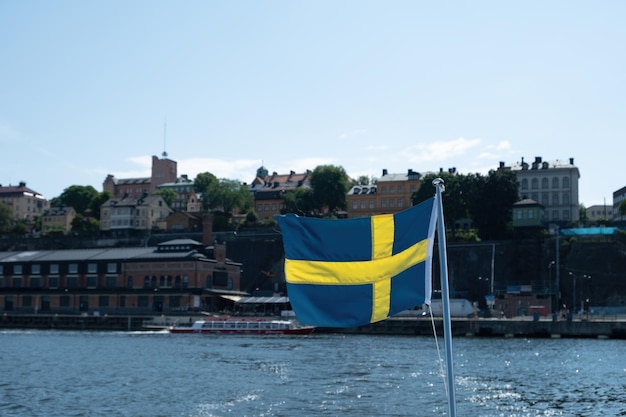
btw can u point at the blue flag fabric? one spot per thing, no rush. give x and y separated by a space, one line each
351 272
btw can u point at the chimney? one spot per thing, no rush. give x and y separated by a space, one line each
501 164
571 161
207 229
384 171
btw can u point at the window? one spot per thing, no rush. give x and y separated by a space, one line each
35 269
129 282
103 301
400 203
383 203
174 301
72 282
92 282
64 301
110 282
17 282
383 190
146 281
35 282
185 281
111 268
371 204
534 184
392 189
354 205
544 183
72 269
555 199
92 268
208 283
555 215
142 301
565 198
555 182
565 182
524 185
53 282
565 214
545 199
363 202
392 203
399 189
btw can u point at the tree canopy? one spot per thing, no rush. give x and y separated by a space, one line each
79 197
330 186
487 200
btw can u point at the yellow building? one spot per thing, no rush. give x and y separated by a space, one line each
57 219
391 194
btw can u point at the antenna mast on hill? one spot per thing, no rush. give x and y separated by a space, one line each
164 154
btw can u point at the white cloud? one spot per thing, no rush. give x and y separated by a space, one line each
440 150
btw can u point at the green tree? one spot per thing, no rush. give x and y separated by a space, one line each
78 197
82 224
301 202
206 185
168 195
491 203
458 187
231 195
6 218
330 186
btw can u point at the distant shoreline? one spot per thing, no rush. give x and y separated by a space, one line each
601 327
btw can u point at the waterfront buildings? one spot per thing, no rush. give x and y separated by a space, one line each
57 219
177 275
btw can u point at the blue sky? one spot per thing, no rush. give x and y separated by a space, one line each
90 88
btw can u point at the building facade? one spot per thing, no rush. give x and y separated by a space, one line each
25 204
124 214
391 194
164 171
618 197
183 187
553 184
57 219
599 212
268 190
175 276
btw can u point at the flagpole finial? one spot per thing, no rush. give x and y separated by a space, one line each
439 182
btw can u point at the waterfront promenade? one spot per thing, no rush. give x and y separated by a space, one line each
601 326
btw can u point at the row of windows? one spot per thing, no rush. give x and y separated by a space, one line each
219 279
534 183
45 302
269 207
557 199
56 269
549 214
384 203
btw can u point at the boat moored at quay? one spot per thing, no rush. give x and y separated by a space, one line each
248 326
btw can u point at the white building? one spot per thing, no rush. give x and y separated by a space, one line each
553 184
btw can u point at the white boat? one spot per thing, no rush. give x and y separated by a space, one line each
244 325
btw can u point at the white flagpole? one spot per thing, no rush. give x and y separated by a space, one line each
445 297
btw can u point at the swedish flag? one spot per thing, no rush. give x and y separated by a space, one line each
351 272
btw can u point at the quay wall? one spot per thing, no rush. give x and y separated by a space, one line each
479 327
612 328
